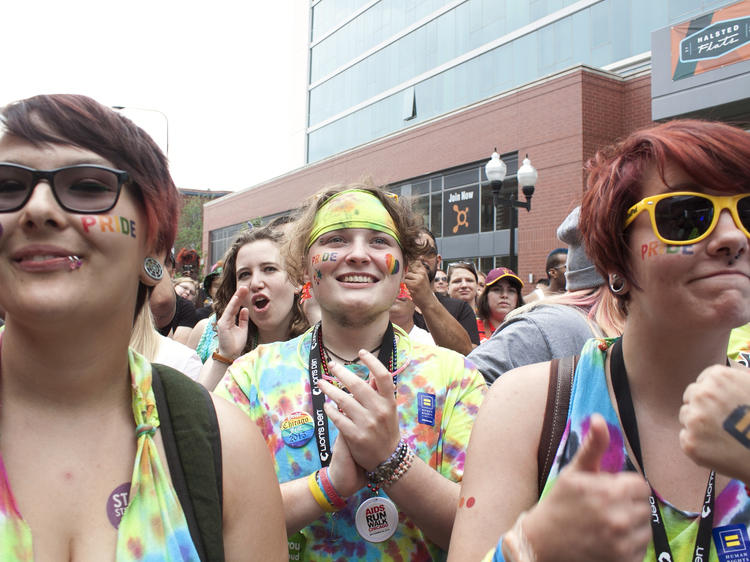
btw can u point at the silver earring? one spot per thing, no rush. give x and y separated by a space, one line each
616 284
153 268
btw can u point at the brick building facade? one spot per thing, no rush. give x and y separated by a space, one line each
559 121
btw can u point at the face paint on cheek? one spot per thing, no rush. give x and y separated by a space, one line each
324 257
318 276
658 248
108 223
392 264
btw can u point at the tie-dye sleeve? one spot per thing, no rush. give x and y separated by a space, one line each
465 391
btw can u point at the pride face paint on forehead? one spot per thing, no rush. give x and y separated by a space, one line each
353 208
108 223
658 248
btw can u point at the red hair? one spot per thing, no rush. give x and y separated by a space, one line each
82 122
715 155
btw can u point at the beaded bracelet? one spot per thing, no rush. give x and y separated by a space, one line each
331 494
393 468
317 492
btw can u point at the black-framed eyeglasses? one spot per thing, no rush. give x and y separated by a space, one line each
84 188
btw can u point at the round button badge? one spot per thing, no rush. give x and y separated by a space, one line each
297 429
376 519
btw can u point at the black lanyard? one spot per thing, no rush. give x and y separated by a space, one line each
630 425
322 438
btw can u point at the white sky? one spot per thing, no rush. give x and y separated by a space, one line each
230 76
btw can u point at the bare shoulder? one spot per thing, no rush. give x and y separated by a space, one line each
237 429
510 420
248 480
520 392
500 476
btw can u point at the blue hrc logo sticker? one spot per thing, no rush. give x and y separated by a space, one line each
731 543
426 408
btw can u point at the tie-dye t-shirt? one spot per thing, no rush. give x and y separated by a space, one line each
739 345
590 395
271 385
153 526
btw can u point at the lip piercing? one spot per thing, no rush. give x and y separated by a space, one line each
75 262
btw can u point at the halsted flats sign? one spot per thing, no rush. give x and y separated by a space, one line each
711 41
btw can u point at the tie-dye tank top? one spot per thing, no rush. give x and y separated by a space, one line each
153 526
590 395
209 341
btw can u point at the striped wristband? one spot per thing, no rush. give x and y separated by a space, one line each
317 492
332 495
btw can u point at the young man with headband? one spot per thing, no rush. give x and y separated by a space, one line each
367 428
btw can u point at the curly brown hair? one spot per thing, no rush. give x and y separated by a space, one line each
228 285
408 226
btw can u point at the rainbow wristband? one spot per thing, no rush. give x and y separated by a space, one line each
333 496
317 492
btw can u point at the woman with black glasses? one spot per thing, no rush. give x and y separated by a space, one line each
91 459
655 455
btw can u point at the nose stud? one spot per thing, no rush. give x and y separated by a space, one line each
735 258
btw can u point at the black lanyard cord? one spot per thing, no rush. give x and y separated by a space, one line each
624 398
387 356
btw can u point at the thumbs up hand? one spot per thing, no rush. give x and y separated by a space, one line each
590 514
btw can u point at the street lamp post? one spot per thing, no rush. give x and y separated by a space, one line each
166 121
495 170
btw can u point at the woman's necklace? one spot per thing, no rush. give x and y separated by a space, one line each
347 361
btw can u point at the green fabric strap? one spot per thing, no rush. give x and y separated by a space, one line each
188 421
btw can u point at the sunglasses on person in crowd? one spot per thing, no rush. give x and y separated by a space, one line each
85 188
465 265
440 277
686 217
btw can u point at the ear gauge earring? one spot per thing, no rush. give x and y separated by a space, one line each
616 284
153 268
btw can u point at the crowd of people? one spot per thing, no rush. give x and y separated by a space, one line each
351 398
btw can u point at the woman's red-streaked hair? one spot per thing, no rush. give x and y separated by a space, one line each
82 122
715 155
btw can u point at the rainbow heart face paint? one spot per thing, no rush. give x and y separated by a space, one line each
109 223
392 263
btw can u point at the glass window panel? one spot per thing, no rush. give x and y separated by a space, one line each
465 177
606 31
421 207
436 221
420 188
486 264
